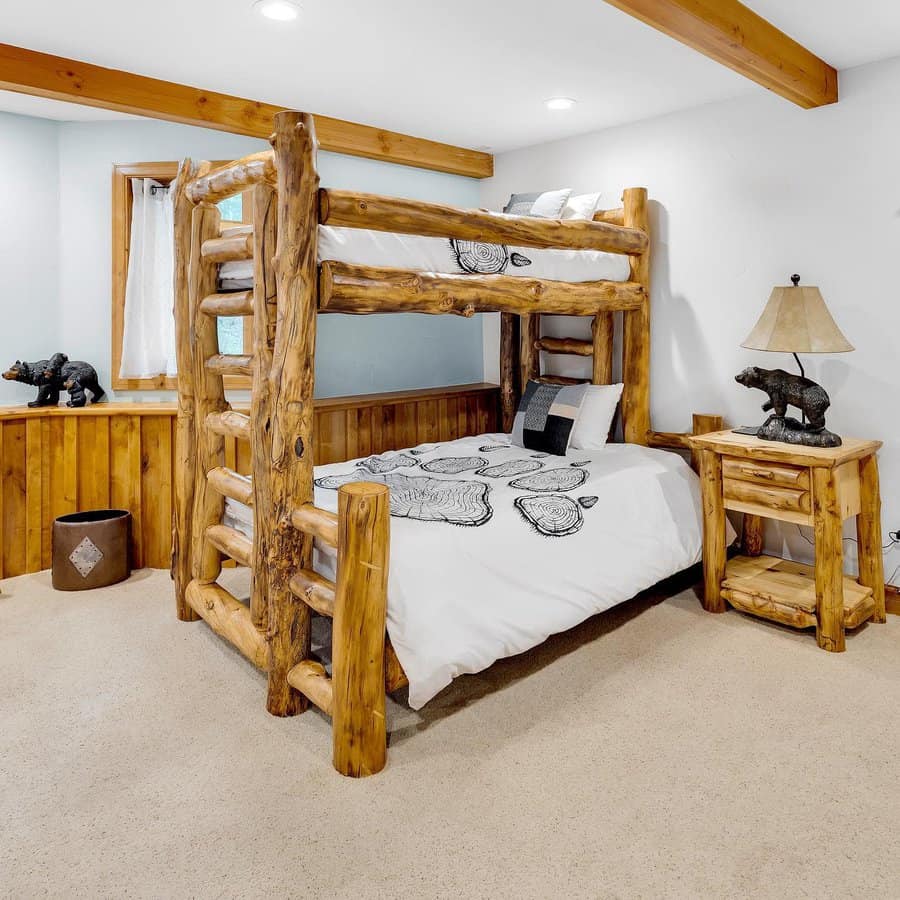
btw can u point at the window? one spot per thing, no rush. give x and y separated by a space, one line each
234 338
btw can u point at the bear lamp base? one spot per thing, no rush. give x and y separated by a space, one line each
788 430
785 389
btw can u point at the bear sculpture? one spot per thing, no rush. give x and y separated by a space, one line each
785 389
51 376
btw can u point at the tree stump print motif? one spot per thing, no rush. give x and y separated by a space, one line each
551 480
553 515
477 258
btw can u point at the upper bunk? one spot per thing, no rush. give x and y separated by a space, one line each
481 270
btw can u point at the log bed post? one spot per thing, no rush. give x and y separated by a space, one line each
264 204
209 504
636 331
291 382
358 642
529 358
185 436
509 369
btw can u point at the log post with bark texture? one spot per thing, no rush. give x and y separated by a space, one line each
703 424
291 382
602 328
636 331
265 306
868 533
752 535
829 561
529 358
713 531
509 369
185 433
209 504
358 643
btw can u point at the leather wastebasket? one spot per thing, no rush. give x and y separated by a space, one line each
90 549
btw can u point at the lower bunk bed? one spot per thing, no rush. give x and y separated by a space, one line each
495 547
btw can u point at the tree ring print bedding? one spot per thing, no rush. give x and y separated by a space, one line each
489 557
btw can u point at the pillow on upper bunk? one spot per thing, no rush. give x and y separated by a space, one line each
591 431
546 416
547 205
582 207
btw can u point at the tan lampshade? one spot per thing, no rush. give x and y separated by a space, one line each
796 320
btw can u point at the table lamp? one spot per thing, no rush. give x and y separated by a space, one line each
795 320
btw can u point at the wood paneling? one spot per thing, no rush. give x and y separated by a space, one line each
43 75
730 33
58 460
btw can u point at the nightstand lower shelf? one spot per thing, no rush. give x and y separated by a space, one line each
785 592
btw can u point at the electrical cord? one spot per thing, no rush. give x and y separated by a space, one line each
893 535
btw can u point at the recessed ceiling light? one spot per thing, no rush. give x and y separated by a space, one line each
559 103
279 10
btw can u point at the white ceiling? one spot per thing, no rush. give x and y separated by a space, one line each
470 72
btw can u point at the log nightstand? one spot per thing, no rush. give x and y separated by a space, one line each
806 486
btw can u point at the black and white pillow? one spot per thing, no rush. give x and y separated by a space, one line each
546 417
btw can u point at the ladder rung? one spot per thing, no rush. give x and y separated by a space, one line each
229 424
560 379
238 303
233 230
227 249
572 346
315 591
311 679
230 364
231 542
231 484
318 522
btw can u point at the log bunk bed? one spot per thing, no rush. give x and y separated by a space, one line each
290 287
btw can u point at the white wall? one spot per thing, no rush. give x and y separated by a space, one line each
354 354
744 194
29 231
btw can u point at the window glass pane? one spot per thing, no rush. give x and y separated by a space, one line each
231 334
232 208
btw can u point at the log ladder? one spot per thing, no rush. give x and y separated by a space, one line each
273 631
521 339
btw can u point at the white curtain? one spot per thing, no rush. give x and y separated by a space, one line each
148 345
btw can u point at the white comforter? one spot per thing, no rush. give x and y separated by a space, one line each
486 563
425 254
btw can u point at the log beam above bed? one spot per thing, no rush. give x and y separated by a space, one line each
394 214
353 289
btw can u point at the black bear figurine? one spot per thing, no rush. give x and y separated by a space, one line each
51 376
785 389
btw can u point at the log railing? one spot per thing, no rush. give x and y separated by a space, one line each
395 214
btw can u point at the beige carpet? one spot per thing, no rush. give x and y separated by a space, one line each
656 751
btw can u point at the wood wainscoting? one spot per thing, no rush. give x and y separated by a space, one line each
57 460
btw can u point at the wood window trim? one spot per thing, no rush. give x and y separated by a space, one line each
122 175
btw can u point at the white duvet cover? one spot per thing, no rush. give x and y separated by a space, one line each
424 254
494 548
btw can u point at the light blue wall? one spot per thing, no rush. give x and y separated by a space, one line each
29 227
355 354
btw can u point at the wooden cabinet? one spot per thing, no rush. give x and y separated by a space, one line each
805 486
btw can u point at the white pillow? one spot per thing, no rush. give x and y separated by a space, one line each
582 206
550 204
594 419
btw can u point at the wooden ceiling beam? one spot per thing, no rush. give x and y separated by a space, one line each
730 33
43 75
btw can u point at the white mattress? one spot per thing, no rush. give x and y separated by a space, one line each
461 596
425 254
